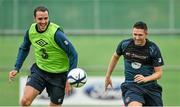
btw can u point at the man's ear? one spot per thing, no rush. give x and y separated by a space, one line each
34 17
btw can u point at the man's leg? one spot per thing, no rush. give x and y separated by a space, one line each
54 105
135 104
29 95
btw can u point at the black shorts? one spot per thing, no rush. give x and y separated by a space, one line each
53 82
148 95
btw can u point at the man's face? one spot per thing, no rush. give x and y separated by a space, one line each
42 19
139 36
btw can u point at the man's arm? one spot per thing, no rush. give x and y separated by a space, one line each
22 54
155 76
65 44
157 63
112 65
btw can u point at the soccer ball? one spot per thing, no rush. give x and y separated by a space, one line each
77 77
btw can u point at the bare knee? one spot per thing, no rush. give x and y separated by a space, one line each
135 104
29 95
54 105
25 102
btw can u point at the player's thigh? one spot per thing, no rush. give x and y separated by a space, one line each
56 94
154 99
131 94
36 81
56 89
30 93
35 84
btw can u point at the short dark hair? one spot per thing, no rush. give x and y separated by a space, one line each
140 25
40 8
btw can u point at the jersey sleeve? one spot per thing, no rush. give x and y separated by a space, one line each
66 45
119 49
122 46
156 56
23 52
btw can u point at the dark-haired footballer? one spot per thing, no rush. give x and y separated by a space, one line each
143 67
54 57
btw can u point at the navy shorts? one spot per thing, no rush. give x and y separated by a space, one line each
54 83
148 94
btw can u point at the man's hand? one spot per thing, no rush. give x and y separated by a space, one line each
107 82
68 88
12 75
140 78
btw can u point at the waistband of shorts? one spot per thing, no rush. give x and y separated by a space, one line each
147 83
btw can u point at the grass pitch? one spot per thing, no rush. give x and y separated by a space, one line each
94 55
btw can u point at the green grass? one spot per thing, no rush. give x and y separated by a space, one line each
94 55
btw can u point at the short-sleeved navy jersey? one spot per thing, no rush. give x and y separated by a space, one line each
139 59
